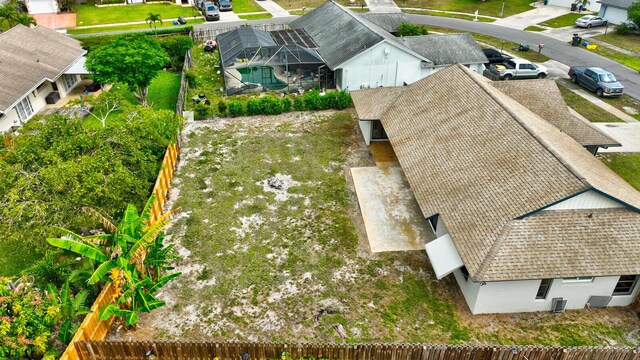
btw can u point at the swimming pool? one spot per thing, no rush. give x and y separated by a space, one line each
262 75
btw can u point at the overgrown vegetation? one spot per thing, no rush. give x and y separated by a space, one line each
409 29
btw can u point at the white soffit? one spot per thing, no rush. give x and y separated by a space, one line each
443 255
78 68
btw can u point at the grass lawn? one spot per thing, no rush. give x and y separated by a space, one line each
628 42
585 108
256 16
456 16
205 67
563 20
101 29
163 91
622 58
489 8
534 28
626 165
259 262
88 14
625 101
245 6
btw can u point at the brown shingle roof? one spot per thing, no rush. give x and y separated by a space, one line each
567 243
544 98
372 103
481 159
30 55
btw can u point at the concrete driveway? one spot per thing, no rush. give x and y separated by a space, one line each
392 217
627 134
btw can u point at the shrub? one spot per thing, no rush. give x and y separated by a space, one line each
312 100
54 268
236 108
176 47
298 104
192 78
222 107
201 111
624 29
270 106
253 107
286 104
343 100
329 100
409 29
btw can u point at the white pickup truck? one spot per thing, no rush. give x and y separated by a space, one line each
518 69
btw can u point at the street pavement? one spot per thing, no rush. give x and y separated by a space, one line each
558 50
532 17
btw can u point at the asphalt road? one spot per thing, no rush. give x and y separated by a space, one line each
556 50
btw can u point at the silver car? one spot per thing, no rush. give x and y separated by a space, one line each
210 11
589 21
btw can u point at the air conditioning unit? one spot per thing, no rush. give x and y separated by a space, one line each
425 64
558 305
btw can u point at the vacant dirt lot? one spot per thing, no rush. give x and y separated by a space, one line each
272 247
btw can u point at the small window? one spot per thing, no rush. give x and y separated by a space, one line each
625 285
543 290
577 279
465 273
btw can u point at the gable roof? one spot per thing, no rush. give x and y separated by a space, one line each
372 103
341 34
446 49
543 98
28 56
482 160
622 4
387 21
232 43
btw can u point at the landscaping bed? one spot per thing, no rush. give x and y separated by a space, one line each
269 234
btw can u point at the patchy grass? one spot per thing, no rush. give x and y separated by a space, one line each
205 67
256 16
563 20
625 103
629 42
534 28
583 106
89 14
101 29
442 14
489 8
246 6
627 165
164 89
624 59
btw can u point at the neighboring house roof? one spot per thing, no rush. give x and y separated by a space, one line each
544 98
482 160
372 103
622 4
387 21
29 56
341 34
446 49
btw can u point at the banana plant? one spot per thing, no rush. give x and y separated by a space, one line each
122 255
71 307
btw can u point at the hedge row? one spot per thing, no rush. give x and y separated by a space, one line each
268 105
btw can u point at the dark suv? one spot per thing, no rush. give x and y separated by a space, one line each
495 57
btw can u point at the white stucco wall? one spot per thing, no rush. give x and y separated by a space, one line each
8 120
593 6
365 128
613 15
586 200
520 296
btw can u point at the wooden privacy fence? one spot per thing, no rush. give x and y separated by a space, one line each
92 328
134 350
201 34
183 83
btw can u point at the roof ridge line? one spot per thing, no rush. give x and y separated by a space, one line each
543 142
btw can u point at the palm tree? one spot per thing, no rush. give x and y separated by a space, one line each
25 19
152 19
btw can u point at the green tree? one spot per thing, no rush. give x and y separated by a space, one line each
11 15
122 255
409 29
633 13
153 19
131 59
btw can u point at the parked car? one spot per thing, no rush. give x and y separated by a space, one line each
595 79
224 5
210 11
518 69
589 21
495 57
200 4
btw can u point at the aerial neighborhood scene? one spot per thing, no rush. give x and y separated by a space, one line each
320 179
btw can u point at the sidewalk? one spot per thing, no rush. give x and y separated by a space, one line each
382 6
274 9
532 17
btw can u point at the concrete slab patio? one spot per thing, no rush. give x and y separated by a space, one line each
627 134
392 217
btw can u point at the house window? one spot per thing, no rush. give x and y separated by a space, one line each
625 285
543 289
465 273
577 279
24 109
68 81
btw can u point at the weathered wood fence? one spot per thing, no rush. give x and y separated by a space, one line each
134 350
183 82
211 33
92 328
